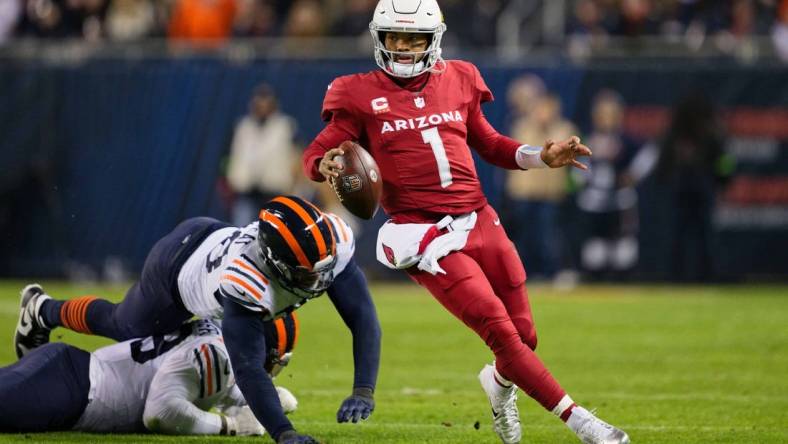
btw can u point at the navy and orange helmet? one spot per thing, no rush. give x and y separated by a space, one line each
298 244
281 336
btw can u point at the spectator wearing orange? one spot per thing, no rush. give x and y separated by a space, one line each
202 20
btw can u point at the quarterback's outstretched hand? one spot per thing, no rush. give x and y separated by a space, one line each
293 437
358 405
328 167
558 154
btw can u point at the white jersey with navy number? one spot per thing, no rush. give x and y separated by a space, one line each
228 264
123 380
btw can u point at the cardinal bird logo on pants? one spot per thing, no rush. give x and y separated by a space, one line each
389 255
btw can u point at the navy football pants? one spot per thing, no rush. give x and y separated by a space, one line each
152 305
45 390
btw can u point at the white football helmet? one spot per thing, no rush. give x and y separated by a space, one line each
422 16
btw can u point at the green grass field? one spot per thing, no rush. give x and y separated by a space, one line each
667 364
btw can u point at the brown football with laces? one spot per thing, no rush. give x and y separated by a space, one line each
359 184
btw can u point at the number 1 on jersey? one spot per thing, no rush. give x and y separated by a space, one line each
431 136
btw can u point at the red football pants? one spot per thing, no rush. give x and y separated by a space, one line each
484 286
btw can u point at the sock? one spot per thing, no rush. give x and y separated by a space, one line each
73 314
49 313
499 379
564 408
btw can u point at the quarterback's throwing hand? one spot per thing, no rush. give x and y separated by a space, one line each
558 154
328 166
358 405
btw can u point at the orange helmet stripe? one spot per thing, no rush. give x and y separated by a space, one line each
281 335
330 228
310 223
295 330
288 236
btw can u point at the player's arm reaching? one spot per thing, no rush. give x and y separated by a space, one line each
180 382
342 126
244 335
350 296
508 153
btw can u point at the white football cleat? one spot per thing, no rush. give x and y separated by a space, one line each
287 399
30 329
506 417
592 430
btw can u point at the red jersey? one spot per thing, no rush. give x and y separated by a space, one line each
419 135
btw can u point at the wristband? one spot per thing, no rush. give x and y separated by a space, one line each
528 157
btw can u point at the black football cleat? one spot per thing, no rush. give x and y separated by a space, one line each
30 330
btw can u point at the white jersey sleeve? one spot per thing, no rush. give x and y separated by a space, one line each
189 382
200 277
244 281
346 242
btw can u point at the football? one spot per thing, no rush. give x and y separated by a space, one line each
359 184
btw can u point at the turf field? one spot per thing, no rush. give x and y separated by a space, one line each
667 364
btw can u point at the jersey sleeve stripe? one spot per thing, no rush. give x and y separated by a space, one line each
243 284
251 262
288 237
251 270
209 370
198 358
217 367
242 274
281 335
322 247
341 226
295 331
245 302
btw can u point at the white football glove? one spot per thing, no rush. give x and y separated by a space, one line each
289 402
244 423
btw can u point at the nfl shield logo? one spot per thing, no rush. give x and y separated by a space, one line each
352 183
419 101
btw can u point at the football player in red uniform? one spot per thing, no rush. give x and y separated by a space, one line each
418 115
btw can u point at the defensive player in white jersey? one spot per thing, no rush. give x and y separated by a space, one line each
246 275
165 383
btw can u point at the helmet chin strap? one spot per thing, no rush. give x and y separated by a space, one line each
406 69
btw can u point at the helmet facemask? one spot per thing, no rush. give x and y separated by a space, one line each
299 279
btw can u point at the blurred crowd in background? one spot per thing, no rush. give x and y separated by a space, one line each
577 24
655 203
